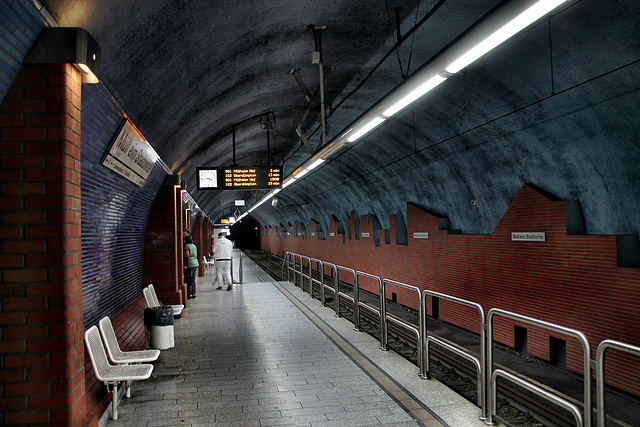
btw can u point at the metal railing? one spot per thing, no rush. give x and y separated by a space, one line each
302 275
335 282
240 274
464 354
384 317
311 279
600 353
552 397
338 294
487 376
481 327
356 312
539 391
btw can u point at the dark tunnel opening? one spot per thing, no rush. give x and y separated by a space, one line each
246 234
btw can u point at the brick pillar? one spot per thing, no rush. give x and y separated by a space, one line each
199 234
162 259
182 225
41 329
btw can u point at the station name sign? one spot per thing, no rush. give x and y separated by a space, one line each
130 155
529 236
239 178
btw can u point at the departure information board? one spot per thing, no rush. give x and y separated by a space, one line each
239 178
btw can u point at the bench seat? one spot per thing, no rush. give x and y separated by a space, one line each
110 374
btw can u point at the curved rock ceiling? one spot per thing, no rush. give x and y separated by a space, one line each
556 106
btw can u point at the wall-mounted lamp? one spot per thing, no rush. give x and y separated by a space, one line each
68 45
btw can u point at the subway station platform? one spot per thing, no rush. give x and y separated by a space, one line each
266 354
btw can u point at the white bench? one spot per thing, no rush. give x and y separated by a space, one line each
110 374
153 301
118 356
208 263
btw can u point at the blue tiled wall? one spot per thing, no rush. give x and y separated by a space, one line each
20 25
114 213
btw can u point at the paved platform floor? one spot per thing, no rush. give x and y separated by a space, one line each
265 354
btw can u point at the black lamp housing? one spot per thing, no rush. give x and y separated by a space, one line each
67 45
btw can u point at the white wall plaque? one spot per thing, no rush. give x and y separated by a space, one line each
130 155
420 235
332 234
366 235
313 234
529 236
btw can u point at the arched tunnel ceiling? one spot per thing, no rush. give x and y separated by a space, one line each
556 106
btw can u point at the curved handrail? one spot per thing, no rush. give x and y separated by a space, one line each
335 282
286 261
600 353
383 318
311 279
482 389
338 293
464 354
536 390
356 293
295 271
240 273
557 328
302 275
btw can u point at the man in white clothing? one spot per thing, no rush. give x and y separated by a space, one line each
222 251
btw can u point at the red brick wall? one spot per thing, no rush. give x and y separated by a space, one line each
162 257
571 280
203 231
42 350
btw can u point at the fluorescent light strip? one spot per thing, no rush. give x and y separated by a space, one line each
366 128
300 174
314 165
507 31
415 94
287 183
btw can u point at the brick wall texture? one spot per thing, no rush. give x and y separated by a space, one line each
41 329
162 257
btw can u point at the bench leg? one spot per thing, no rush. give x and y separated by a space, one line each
128 388
114 401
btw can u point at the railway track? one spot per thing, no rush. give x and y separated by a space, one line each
516 407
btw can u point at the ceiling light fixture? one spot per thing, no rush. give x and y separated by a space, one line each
496 27
504 33
369 126
414 94
315 164
287 182
300 174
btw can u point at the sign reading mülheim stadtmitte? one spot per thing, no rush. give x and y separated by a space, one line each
130 155
529 236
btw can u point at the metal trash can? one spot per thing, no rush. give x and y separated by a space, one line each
160 322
